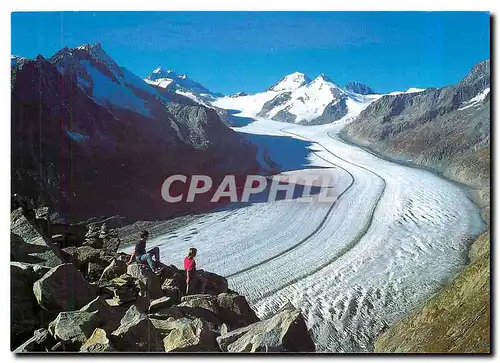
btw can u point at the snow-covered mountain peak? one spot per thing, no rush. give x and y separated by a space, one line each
323 77
15 60
291 82
70 59
161 73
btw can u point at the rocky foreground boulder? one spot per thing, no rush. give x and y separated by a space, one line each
63 288
127 308
28 244
284 332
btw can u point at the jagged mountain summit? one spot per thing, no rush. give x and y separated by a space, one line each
180 87
298 99
107 83
167 78
359 88
94 139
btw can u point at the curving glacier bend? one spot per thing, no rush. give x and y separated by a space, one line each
392 238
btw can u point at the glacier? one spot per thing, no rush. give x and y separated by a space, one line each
393 237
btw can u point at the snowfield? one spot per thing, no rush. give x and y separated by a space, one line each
392 237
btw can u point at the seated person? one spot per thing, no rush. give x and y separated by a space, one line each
141 255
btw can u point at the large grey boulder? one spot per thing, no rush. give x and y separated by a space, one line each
136 333
83 255
111 244
172 290
230 309
203 307
161 303
122 289
97 343
187 335
37 270
63 288
28 244
284 332
148 278
111 314
74 326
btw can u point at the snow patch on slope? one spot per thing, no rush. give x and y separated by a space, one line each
107 92
409 90
476 100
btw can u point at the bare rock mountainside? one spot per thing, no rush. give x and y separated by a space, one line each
446 129
86 298
90 138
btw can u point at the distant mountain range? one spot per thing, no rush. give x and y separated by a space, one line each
298 99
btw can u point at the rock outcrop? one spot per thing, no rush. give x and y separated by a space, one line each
63 288
28 244
128 308
97 343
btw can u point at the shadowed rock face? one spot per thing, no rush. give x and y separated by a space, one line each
89 159
447 129
334 111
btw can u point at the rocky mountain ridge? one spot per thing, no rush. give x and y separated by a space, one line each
84 128
447 129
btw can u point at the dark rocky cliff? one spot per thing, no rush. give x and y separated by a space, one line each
87 157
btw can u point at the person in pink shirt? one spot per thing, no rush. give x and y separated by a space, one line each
190 269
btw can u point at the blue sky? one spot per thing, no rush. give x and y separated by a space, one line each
249 51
